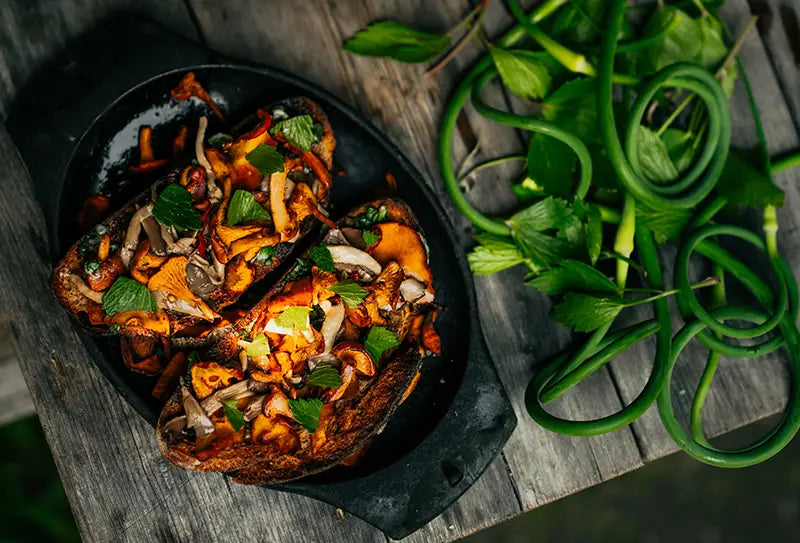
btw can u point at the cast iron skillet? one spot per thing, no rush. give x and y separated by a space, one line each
78 134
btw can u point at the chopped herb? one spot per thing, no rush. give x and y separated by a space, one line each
322 257
114 328
397 41
91 266
298 130
266 159
350 292
306 412
174 208
220 140
368 218
324 375
232 413
294 317
301 268
370 237
259 346
243 207
379 340
128 295
316 317
265 256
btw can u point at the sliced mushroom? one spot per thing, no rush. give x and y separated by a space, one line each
348 376
84 289
212 271
198 280
354 354
173 429
214 192
331 325
197 418
277 203
354 237
171 290
349 260
254 408
324 358
277 404
153 232
414 291
335 236
132 234
235 391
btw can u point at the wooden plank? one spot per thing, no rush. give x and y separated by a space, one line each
15 401
32 31
779 26
744 390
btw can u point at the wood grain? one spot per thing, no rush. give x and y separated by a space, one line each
15 401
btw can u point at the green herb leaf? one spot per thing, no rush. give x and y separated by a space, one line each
683 42
232 413
527 190
295 317
654 158
665 224
324 375
174 208
322 257
368 218
128 295
523 76
298 130
370 237
306 412
220 140
259 346
494 254
398 41
91 266
266 159
572 275
264 256
743 183
115 328
316 317
580 21
585 313
713 49
594 234
679 147
379 340
350 292
541 249
302 267
550 164
243 207
573 107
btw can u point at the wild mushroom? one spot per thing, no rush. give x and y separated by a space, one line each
277 404
351 260
277 203
348 376
197 418
354 354
414 291
151 228
207 377
214 192
173 429
83 288
254 408
235 391
404 245
132 234
331 325
335 236
172 292
199 281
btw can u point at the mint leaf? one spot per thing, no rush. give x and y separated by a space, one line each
585 313
298 130
679 148
294 317
370 237
350 292
232 413
546 232
264 256
379 340
683 42
128 295
322 257
174 208
572 275
494 254
743 183
243 207
324 375
713 49
654 159
259 346
397 41
573 107
523 76
550 164
266 159
306 412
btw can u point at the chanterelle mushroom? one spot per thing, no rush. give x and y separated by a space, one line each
172 292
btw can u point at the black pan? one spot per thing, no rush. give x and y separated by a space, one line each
80 139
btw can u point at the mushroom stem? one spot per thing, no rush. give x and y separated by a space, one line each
214 192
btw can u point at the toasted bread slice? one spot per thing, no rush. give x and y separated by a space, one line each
80 288
351 412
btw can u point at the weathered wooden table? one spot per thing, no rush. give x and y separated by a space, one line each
117 483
